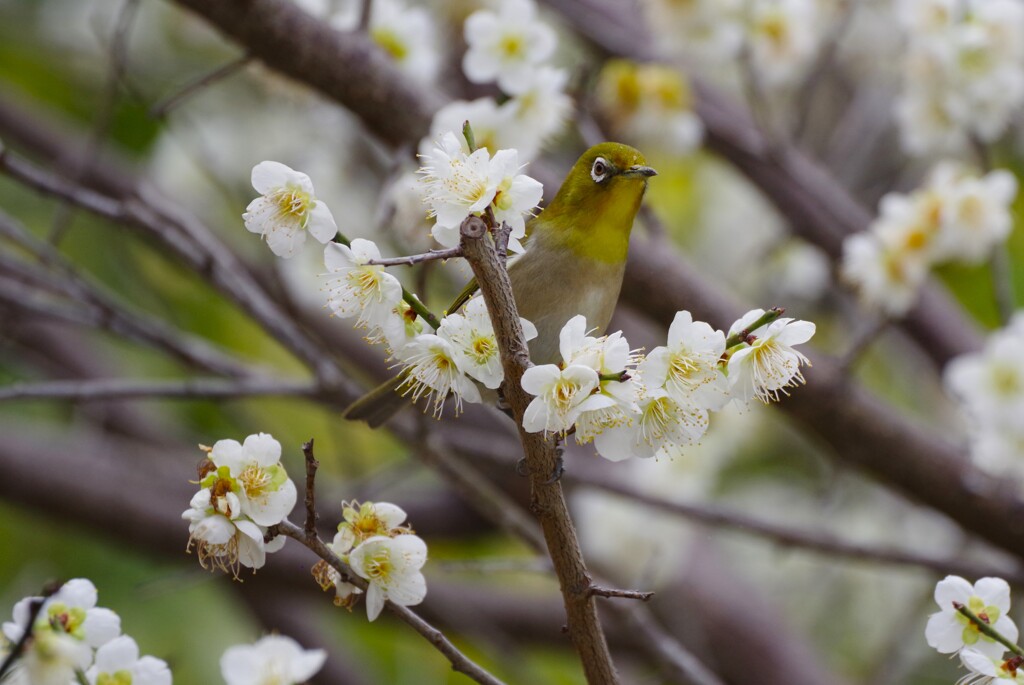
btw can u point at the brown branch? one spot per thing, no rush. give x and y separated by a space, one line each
101 389
411 260
459 661
547 500
598 591
311 466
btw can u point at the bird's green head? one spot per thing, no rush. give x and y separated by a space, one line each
594 209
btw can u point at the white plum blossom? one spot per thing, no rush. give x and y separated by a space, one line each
662 427
783 37
949 631
506 45
688 366
366 520
71 610
357 288
432 370
267 495
516 195
768 364
274 659
51 658
886 278
407 33
987 670
976 215
560 395
493 127
651 104
118 662
538 112
287 209
392 567
954 216
456 185
474 344
712 30
221 542
963 74
67 629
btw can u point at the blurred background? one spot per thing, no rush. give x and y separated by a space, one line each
784 562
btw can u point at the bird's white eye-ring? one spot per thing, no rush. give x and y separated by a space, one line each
599 171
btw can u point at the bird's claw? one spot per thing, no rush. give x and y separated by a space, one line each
556 473
520 468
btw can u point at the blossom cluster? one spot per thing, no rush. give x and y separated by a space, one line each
510 46
990 387
373 542
781 38
963 74
408 34
244 489
951 632
634 406
72 638
955 216
73 641
650 104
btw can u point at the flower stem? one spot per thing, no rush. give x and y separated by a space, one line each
410 299
764 319
987 629
467 133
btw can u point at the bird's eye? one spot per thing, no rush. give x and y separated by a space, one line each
599 171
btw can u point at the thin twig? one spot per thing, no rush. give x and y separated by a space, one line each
105 118
365 13
822 65
411 260
861 342
763 320
599 591
162 108
34 607
95 390
459 661
983 626
311 466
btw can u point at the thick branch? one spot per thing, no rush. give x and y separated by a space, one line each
547 500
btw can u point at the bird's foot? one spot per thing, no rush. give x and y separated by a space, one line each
520 468
556 473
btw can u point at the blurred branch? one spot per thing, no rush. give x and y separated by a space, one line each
107 313
820 542
196 246
164 107
123 388
825 62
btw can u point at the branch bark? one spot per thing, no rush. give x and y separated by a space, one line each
547 500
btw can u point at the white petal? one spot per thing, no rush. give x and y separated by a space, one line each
320 223
952 589
994 592
268 176
118 654
263 449
536 378
101 626
374 601
228 453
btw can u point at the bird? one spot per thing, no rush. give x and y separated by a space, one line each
574 262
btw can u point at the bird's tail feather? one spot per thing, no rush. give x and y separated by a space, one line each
380 404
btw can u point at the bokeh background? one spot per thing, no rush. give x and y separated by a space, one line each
79 81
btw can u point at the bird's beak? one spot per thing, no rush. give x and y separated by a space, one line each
638 170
